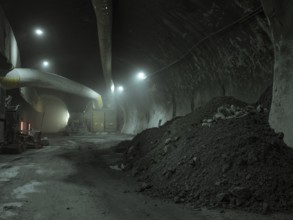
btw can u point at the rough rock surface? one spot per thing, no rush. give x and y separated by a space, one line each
238 163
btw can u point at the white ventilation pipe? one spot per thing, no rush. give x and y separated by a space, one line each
19 77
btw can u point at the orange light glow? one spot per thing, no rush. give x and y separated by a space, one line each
21 125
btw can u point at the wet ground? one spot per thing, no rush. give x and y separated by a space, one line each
76 178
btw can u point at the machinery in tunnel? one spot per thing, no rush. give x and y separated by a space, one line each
16 133
100 120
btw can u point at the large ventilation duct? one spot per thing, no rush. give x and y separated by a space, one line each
18 78
31 96
103 10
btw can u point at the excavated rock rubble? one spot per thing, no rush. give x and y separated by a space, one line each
223 155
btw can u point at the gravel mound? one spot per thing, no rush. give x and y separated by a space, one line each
236 161
266 98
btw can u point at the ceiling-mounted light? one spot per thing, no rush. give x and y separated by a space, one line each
141 76
45 63
39 32
112 88
120 89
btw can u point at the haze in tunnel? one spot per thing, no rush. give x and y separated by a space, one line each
193 51
53 117
203 91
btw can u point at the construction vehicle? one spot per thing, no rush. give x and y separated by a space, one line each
18 134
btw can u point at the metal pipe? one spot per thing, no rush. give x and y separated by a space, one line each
103 10
19 77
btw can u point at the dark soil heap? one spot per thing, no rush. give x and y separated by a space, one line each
233 163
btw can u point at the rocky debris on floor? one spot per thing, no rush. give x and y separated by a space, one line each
144 186
239 163
115 167
45 141
266 98
225 112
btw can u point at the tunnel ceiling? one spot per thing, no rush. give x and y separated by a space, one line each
151 34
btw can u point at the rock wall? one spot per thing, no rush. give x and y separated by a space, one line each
216 49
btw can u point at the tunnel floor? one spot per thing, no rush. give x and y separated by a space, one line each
75 178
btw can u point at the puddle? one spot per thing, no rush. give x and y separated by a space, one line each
22 191
116 167
44 172
8 209
5 166
8 173
17 158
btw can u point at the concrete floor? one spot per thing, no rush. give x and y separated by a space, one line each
72 179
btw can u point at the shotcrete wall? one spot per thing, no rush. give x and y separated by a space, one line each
9 54
279 13
220 49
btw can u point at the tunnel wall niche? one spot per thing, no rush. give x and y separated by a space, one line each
237 61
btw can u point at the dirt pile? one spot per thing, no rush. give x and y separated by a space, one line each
236 161
266 98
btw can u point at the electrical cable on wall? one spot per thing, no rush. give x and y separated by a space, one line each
238 21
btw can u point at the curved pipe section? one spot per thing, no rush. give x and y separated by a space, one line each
18 78
31 96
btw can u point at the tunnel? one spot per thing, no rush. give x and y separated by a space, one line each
178 109
202 51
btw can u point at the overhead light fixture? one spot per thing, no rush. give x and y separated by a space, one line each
112 88
39 32
120 89
141 76
46 63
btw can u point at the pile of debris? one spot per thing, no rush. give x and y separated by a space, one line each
225 112
240 163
